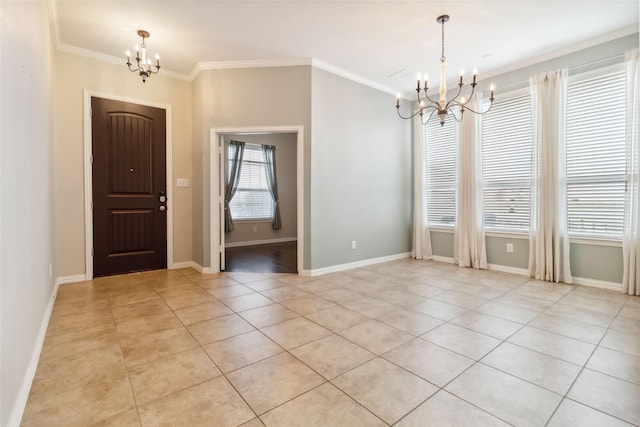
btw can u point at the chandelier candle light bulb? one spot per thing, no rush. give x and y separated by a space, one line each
443 107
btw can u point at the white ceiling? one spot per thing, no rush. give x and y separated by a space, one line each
374 41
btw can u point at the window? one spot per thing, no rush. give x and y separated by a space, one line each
596 167
440 153
506 163
252 199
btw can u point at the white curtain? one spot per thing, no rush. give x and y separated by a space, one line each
548 236
469 248
421 234
631 237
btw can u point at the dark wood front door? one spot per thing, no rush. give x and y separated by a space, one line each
129 187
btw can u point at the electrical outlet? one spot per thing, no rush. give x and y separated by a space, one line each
255 228
510 247
354 244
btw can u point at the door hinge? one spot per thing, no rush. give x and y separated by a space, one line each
93 252
91 158
91 205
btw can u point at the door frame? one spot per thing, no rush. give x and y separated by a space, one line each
216 190
88 179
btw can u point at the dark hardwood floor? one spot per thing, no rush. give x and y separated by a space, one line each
270 258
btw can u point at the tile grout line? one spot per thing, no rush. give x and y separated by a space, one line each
215 364
595 348
381 286
124 362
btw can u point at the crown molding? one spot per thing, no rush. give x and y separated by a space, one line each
585 44
224 65
250 63
211 65
265 63
350 76
62 47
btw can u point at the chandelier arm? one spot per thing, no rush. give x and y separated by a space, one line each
452 112
480 112
424 122
426 95
408 117
454 99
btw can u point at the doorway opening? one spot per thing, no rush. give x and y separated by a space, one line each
254 243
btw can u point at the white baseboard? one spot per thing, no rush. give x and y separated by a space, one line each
446 259
508 269
199 268
614 286
71 279
352 265
496 267
15 417
183 264
260 242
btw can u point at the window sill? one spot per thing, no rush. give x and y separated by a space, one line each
441 229
523 235
248 221
593 241
596 241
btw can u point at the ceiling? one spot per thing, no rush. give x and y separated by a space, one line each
381 43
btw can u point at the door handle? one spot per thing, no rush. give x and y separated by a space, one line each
163 208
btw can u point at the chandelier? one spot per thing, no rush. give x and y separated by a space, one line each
442 106
143 63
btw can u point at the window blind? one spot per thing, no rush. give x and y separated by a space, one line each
440 160
596 167
252 199
506 163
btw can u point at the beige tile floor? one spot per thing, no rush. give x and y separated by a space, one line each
407 343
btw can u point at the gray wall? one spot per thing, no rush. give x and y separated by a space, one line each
247 231
26 177
361 178
246 97
442 245
357 157
591 261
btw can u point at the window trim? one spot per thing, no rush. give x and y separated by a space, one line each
439 186
506 96
265 219
578 236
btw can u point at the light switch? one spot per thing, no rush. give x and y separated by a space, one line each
182 182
